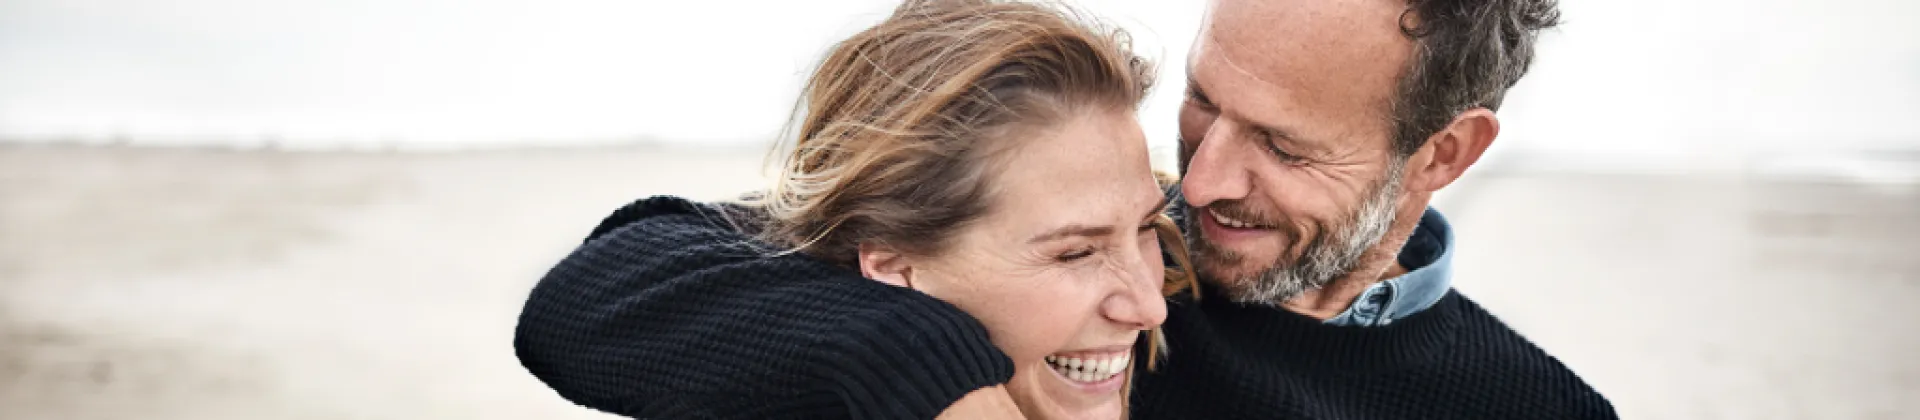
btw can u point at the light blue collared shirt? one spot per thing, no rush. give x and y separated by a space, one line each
1428 256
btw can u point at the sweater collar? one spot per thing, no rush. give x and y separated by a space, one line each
1260 331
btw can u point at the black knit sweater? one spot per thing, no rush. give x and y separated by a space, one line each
669 312
1451 361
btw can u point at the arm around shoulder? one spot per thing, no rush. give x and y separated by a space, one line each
667 312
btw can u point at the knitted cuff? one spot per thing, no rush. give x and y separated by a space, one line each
911 359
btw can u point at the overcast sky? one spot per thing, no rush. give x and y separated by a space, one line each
1627 77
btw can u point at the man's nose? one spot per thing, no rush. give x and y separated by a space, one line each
1217 171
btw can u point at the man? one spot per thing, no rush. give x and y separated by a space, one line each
1313 138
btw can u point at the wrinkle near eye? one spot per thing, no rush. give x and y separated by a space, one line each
1350 177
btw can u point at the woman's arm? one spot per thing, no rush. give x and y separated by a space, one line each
669 312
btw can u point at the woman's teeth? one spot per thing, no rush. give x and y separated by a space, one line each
1090 369
1231 222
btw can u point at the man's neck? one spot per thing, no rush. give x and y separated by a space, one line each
1327 302
1380 263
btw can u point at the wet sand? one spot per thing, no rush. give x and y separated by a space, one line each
214 285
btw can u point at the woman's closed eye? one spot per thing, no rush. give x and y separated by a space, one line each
1076 254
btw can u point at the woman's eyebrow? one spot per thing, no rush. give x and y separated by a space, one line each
1072 230
1077 229
1159 207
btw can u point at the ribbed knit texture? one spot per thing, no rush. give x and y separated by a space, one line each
666 312
670 313
1451 361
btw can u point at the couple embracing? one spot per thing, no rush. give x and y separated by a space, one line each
965 224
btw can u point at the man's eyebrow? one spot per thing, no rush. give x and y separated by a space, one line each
1282 133
1198 93
1272 129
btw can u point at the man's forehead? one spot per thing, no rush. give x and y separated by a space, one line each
1316 66
1270 34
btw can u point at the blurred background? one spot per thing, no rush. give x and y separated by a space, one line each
302 209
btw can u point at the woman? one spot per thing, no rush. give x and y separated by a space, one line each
983 153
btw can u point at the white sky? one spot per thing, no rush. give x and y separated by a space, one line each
1622 77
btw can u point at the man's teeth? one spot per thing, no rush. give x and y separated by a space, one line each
1090 369
1230 222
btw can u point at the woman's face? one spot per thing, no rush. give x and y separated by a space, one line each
1064 269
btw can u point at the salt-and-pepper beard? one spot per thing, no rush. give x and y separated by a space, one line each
1326 258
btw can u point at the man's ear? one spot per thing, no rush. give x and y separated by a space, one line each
1453 149
885 265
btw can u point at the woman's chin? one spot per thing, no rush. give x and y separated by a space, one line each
1045 393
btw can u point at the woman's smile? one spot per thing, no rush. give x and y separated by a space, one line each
1098 372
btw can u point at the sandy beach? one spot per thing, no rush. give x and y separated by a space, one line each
182 284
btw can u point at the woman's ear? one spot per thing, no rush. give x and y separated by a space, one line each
885 265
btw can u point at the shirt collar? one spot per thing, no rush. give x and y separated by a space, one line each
1428 255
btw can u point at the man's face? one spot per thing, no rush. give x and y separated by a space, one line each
1284 139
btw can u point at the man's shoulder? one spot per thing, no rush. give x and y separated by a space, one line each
1488 329
1497 354
663 214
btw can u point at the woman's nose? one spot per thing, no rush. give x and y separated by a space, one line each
1139 304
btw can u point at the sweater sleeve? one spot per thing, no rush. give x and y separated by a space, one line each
679 316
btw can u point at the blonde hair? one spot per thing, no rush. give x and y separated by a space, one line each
898 126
